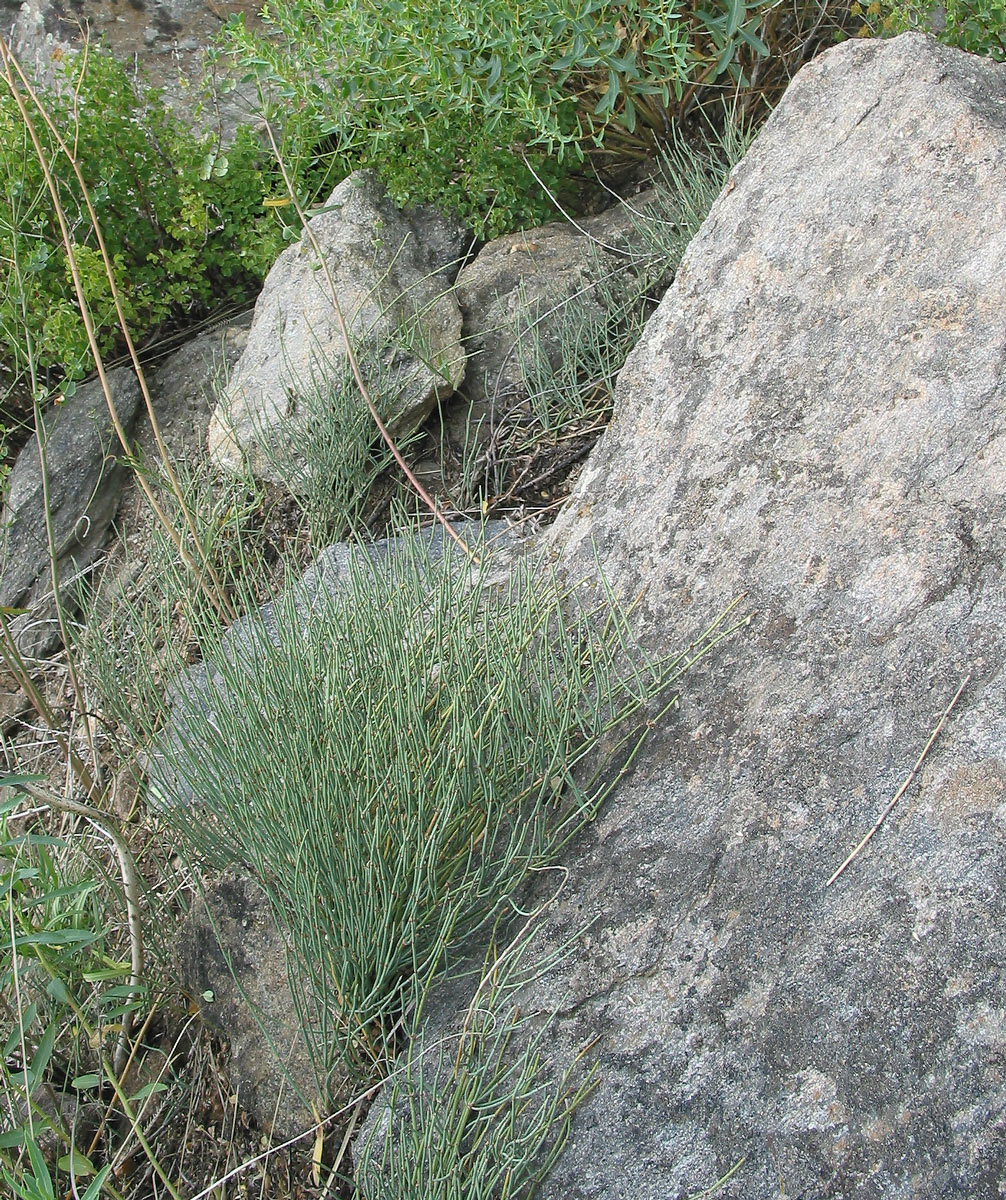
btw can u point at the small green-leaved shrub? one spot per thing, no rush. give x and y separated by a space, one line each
62 991
183 220
449 101
978 26
451 162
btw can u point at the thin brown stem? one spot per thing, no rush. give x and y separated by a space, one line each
16 79
354 364
904 787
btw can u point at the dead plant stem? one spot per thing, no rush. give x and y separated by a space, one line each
904 787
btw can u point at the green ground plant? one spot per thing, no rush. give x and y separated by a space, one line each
978 26
62 977
184 217
61 1013
482 1114
328 455
595 338
456 104
390 756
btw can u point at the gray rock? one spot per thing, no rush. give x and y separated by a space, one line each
816 418
516 283
446 240
648 232
85 483
165 44
32 34
390 299
234 964
619 227
183 389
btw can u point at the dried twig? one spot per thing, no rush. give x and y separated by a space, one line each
904 787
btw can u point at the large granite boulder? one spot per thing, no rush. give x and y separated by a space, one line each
392 300
816 418
85 481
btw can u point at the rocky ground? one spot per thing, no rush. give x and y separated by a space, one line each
167 42
813 418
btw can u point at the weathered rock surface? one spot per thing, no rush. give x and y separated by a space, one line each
390 298
620 228
183 389
165 41
235 965
85 483
815 417
519 283
447 242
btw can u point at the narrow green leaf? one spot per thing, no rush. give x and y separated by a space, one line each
113 971
39 840
755 43
18 780
120 992
24 1023
58 990
40 1059
42 1180
725 59
55 937
607 102
84 888
97 1183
